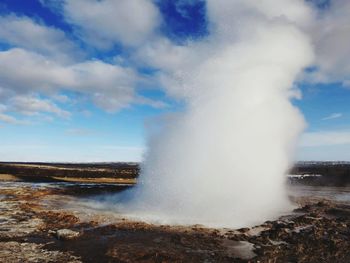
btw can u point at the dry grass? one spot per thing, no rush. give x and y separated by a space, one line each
8 177
97 180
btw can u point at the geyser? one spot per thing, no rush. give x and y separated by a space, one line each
222 160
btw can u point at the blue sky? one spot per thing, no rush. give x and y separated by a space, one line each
76 85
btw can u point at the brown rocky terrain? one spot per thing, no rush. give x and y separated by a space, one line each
47 223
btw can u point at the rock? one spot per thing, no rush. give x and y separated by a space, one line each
66 234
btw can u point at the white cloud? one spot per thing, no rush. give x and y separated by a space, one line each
333 116
324 138
44 61
32 35
111 87
107 22
30 83
157 104
31 105
9 119
331 37
161 53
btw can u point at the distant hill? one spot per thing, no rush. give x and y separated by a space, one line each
71 172
321 173
309 173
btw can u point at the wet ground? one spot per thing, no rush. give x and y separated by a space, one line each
54 222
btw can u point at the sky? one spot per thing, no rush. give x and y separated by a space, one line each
83 80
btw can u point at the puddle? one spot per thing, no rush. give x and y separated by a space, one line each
239 249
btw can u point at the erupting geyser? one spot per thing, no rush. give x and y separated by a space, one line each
222 160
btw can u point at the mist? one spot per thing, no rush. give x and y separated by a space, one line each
222 160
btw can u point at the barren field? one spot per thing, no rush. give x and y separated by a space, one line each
47 223
55 222
117 173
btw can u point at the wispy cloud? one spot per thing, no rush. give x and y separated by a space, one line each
11 120
323 138
31 105
6 118
79 132
333 116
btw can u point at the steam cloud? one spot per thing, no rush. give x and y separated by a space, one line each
222 160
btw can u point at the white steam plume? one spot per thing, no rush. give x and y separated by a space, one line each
222 161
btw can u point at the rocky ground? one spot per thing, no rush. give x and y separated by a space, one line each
38 224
